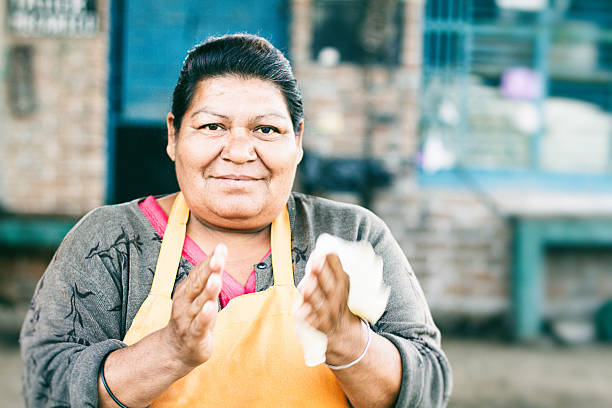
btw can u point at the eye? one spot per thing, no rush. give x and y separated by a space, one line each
211 126
267 130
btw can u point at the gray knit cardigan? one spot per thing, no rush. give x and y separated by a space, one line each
102 272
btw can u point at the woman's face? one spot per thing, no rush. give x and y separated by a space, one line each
236 152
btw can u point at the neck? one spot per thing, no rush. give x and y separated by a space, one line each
249 244
199 229
245 247
212 228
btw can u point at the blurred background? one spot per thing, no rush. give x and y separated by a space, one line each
479 130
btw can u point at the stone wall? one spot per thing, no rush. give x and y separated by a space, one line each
457 247
53 160
459 243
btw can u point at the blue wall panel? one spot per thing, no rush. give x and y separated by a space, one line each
157 36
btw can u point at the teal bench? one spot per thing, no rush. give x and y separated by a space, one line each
19 231
532 236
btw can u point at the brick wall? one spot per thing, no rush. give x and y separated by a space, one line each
457 247
459 243
578 280
54 159
3 100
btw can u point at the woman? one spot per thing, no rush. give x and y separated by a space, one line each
102 329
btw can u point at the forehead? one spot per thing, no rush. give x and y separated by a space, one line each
232 93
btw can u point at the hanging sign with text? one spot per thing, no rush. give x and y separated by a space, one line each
71 18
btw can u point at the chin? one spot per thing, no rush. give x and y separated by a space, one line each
237 208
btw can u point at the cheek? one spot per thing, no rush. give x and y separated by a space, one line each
195 154
282 161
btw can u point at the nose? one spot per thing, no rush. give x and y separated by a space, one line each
238 147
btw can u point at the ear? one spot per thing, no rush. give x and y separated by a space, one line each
298 141
172 136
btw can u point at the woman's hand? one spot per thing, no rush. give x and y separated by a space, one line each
194 311
325 308
173 351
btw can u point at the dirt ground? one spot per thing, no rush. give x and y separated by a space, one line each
10 376
486 374
498 375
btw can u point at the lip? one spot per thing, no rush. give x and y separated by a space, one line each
236 177
236 181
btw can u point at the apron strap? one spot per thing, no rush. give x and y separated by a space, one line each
171 248
174 237
280 241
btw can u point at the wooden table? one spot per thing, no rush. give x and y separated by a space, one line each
532 237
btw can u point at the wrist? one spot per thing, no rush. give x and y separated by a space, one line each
366 328
169 354
347 343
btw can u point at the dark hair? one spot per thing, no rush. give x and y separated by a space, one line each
245 55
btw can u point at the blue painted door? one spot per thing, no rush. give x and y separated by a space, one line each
150 39
158 34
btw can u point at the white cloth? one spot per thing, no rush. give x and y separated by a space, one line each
367 296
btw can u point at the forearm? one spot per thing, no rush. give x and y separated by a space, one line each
140 373
380 368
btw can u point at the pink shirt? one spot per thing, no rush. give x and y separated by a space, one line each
192 252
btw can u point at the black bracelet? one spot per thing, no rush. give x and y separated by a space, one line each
106 385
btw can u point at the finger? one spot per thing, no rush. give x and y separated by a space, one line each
327 276
303 311
211 292
213 283
316 262
307 313
217 260
335 265
205 319
319 319
196 280
307 285
313 296
315 309
320 281
333 283
215 264
316 299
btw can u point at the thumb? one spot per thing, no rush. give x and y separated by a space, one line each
218 258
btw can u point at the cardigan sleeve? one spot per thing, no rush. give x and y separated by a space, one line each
77 314
407 323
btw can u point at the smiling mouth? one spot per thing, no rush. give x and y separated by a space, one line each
236 181
233 177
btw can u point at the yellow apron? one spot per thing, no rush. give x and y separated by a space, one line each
257 359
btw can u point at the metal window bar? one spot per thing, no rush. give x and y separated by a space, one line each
469 46
447 64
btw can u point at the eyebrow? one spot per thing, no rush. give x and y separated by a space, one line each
258 117
204 110
277 115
